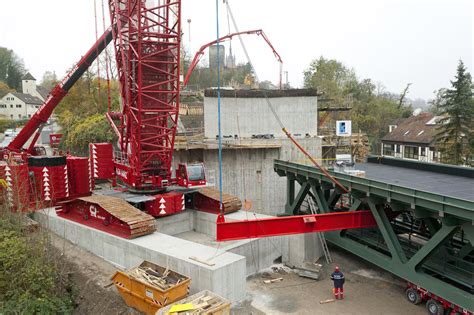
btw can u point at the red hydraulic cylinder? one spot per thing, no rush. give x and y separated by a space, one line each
236 230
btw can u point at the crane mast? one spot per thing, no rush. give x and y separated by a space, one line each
147 45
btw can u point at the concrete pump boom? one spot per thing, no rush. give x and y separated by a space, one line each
200 53
35 124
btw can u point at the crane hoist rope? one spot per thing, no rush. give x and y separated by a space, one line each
98 62
107 60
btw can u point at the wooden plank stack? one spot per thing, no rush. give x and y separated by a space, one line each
231 203
204 303
164 281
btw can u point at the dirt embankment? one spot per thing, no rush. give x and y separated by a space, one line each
91 276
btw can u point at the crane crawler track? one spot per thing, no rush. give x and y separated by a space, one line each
109 214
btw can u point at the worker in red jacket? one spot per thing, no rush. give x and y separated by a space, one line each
338 278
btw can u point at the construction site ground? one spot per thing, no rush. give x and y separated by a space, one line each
368 289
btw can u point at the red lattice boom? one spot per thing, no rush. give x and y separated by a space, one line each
147 46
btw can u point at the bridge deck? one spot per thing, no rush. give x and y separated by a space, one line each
437 183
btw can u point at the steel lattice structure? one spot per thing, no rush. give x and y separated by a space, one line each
147 46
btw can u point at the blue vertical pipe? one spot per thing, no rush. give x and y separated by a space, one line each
219 107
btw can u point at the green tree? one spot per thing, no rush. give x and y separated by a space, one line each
330 77
4 89
372 109
78 111
456 129
50 80
12 68
436 103
94 128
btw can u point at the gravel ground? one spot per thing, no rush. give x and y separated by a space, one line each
368 289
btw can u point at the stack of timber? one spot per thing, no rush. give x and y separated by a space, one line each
202 303
164 280
360 147
139 222
207 199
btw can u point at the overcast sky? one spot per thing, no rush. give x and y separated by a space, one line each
394 42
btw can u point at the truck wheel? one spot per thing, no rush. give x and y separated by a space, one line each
434 307
413 296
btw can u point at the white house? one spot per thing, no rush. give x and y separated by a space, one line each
23 105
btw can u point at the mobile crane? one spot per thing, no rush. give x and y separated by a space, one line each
146 40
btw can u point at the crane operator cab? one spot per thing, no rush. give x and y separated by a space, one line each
191 175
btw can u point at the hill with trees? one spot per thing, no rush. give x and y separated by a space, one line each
373 108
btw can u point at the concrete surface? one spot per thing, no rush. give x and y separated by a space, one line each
251 116
248 172
259 253
226 277
192 233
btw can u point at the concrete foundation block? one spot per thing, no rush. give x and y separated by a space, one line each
226 277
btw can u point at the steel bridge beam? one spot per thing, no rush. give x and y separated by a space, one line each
245 229
434 243
387 232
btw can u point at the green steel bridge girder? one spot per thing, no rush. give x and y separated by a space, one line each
453 213
405 270
437 205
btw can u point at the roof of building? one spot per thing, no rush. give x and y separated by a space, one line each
44 92
28 99
413 129
28 76
397 121
261 93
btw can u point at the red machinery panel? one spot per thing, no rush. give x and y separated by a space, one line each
102 163
16 186
80 182
165 204
147 38
50 177
55 140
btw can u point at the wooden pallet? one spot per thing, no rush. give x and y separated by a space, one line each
139 222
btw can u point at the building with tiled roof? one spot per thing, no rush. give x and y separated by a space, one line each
412 138
23 105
